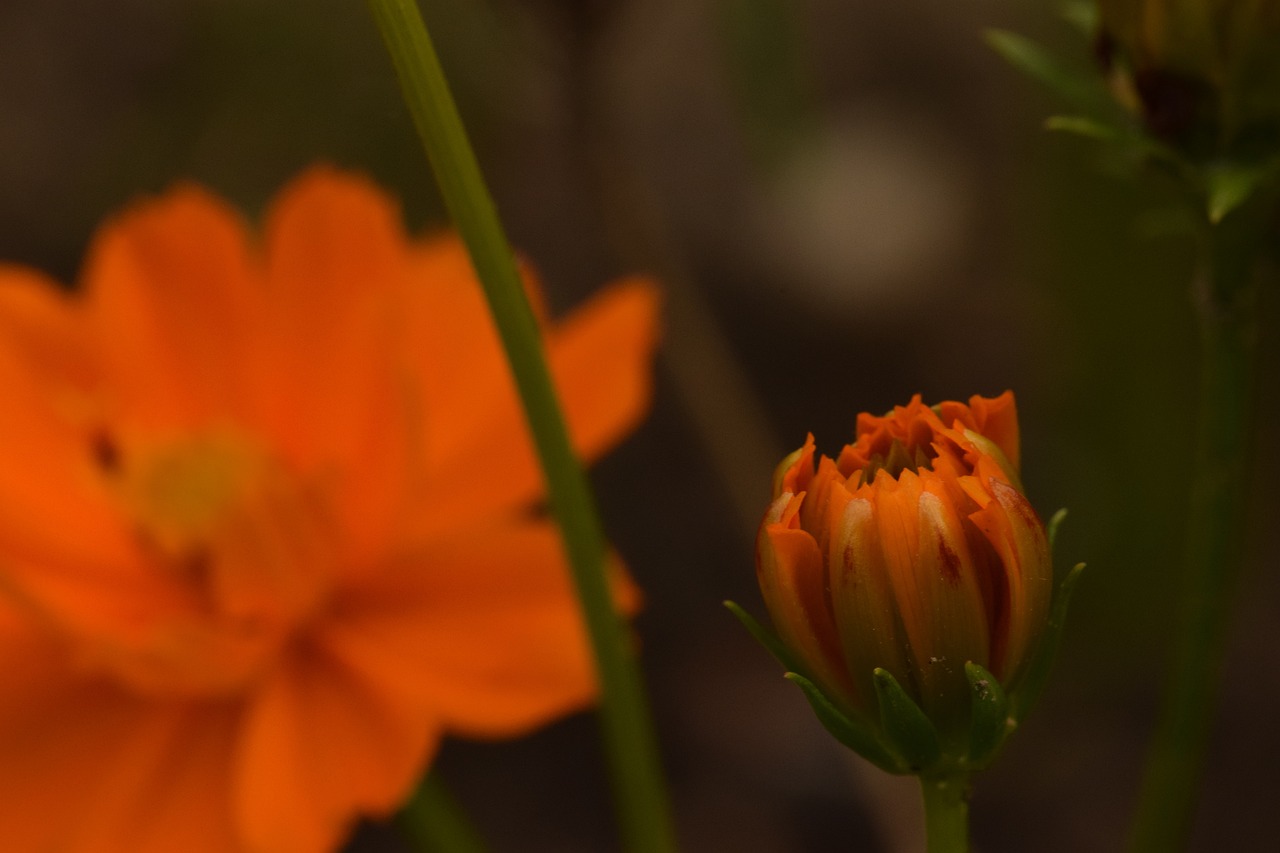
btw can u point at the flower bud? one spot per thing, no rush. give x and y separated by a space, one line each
1203 74
911 554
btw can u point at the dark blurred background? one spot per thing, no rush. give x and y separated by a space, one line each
848 202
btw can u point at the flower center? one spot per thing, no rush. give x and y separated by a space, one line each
898 458
181 494
243 552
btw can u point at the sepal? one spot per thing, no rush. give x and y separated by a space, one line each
1022 699
1051 529
764 636
990 722
857 736
906 728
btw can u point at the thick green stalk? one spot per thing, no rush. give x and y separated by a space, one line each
1215 538
435 824
628 731
946 813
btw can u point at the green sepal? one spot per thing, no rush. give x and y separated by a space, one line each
990 723
906 727
765 637
857 736
1024 697
1051 529
1080 87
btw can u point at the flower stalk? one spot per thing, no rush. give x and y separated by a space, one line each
435 822
946 813
1226 290
627 728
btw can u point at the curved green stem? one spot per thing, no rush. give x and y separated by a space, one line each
946 813
1215 539
435 823
628 731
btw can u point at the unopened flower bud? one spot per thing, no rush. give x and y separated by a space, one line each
1203 74
911 554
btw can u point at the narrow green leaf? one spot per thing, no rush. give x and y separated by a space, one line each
907 728
1125 138
990 723
1026 55
1083 126
857 736
765 637
1024 697
627 729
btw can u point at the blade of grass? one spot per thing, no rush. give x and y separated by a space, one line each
627 729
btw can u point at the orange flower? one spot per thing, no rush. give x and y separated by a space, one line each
914 552
265 523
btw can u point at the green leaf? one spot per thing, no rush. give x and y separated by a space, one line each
857 736
765 637
990 723
1079 87
1228 188
1083 126
1024 697
1125 137
906 727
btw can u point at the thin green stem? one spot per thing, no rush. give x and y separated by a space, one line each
1215 540
435 823
946 813
627 728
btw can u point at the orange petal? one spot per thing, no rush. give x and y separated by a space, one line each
67 549
453 347
42 324
959 630
601 362
793 583
483 625
1026 576
325 742
331 384
996 418
170 288
863 600
612 336
89 769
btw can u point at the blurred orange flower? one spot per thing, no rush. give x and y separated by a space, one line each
266 527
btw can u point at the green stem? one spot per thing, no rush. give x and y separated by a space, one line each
1215 537
435 823
627 728
946 813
